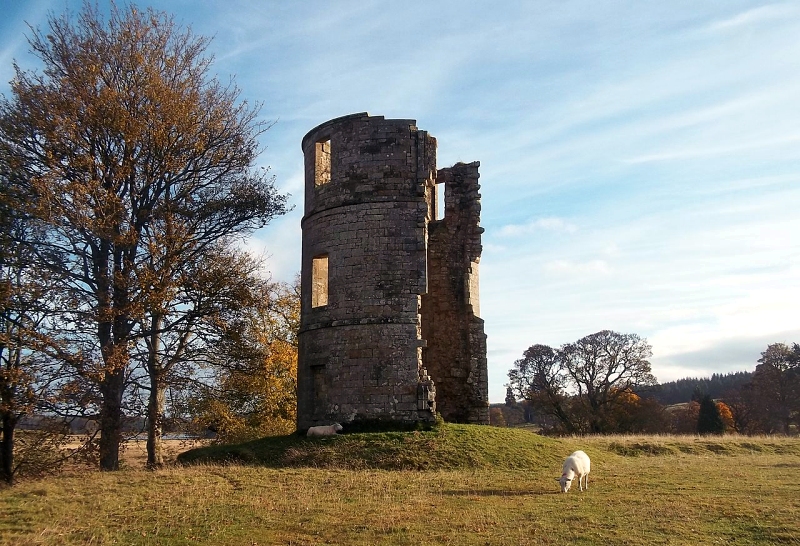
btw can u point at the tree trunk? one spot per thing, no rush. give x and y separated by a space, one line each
10 418
562 416
155 422
112 389
7 449
114 336
155 404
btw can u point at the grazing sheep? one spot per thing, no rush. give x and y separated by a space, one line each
578 465
324 430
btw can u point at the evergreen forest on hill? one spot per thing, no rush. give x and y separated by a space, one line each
686 389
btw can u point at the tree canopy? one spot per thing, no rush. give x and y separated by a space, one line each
709 419
139 163
254 393
585 383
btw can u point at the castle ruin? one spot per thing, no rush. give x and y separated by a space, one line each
389 292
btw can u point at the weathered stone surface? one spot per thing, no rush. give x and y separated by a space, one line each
396 334
456 344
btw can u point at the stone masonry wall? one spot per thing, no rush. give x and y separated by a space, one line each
360 355
369 198
455 354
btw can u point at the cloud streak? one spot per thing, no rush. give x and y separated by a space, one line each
763 14
537 225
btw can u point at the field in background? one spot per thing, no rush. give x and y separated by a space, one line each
643 490
134 452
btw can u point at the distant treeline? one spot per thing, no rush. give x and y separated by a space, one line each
694 388
603 384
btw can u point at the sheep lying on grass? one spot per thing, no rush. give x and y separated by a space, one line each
324 430
578 465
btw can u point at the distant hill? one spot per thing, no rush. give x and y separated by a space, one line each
682 390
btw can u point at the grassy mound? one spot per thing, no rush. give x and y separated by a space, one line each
447 446
451 446
635 446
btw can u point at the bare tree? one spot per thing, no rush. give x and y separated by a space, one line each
604 367
186 322
29 379
540 378
776 387
583 383
130 147
19 314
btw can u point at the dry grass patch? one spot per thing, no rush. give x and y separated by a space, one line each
671 444
747 497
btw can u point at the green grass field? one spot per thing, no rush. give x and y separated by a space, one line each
477 486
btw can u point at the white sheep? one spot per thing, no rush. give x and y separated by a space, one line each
324 430
577 464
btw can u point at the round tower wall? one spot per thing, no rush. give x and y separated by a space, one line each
363 270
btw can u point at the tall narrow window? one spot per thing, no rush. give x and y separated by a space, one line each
472 288
319 281
322 163
440 201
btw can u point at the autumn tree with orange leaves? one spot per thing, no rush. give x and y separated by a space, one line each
253 393
139 164
726 415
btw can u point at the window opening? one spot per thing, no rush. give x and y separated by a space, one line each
319 281
440 201
322 162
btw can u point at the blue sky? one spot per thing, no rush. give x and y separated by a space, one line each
640 161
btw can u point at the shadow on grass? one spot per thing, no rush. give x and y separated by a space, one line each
499 493
785 465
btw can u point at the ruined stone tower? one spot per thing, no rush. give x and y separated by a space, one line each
389 322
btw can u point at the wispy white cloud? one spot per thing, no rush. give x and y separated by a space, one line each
722 355
538 225
695 152
279 246
592 267
758 15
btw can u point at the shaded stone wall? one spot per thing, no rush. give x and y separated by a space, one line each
369 199
455 354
